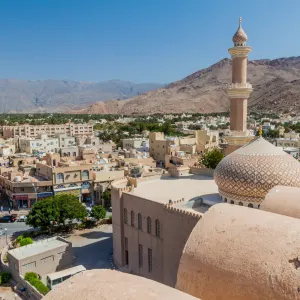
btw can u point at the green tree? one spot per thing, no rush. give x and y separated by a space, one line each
106 196
98 212
57 209
211 158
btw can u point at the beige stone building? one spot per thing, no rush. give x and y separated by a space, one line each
42 143
33 131
42 257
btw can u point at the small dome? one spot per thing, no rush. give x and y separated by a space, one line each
250 172
240 37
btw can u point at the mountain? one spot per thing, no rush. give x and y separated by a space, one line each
276 88
61 95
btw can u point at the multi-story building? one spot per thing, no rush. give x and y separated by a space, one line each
73 177
42 143
33 131
65 140
206 140
23 190
139 144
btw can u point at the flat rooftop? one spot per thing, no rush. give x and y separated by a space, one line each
36 248
187 187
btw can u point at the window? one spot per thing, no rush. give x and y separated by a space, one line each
241 204
85 174
132 218
60 177
157 228
140 222
140 256
149 260
149 225
232 202
125 216
126 251
250 205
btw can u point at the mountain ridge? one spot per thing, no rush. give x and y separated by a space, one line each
276 88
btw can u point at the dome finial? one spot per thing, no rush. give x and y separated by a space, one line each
240 37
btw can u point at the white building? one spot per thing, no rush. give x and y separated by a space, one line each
42 144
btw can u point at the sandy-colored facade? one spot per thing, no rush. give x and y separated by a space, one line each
33 131
147 213
42 257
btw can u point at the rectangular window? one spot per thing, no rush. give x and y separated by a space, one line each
140 256
149 260
126 252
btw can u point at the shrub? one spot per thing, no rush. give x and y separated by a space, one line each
110 220
4 277
30 275
211 158
32 278
25 241
19 238
5 258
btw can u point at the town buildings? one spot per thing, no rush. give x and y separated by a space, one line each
32 131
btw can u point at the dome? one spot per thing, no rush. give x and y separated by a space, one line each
107 284
240 37
249 173
236 253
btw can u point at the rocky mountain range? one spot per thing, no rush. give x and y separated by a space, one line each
276 88
63 95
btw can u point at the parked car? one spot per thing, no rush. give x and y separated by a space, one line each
7 219
22 219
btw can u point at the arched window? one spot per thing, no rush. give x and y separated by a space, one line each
258 206
232 202
250 205
140 222
85 174
149 225
59 177
125 216
132 218
157 228
241 204
225 199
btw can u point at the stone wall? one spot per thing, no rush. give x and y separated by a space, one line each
202 171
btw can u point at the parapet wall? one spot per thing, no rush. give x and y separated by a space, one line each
198 170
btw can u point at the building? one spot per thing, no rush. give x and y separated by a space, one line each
147 213
65 140
32 131
42 143
7 150
42 257
139 144
72 177
206 140
22 189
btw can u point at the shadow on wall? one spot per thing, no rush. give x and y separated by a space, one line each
96 255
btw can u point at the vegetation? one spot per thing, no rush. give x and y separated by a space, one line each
106 196
212 158
98 212
32 278
56 210
270 133
25 241
5 258
4 277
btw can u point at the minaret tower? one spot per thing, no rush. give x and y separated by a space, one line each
239 91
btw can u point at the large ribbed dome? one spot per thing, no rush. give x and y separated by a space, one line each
249 173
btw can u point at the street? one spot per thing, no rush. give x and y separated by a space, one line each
14 227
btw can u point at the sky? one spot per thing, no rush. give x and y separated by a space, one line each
137 40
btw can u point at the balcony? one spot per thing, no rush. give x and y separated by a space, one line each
240 86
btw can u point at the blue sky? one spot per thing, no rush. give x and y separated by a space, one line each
137 40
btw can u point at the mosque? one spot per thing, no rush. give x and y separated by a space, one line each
233 236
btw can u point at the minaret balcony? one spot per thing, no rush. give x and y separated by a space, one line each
239 90
238 85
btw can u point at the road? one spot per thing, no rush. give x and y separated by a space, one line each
14 227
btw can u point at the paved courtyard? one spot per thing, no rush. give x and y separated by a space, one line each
93 248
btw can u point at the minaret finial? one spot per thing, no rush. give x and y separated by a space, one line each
240 21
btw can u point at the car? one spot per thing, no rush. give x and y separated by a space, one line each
22 219
7 219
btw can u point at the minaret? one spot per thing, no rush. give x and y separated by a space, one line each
239 91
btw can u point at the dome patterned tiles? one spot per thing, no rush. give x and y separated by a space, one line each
240 36
251 171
